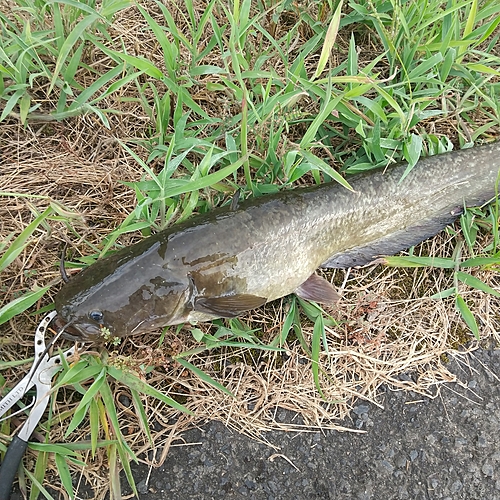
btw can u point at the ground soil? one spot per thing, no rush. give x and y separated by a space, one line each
388 353
414 448
446 447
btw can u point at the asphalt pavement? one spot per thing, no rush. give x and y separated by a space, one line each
414 448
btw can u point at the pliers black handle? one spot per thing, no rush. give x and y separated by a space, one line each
40 376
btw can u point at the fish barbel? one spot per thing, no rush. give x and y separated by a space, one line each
235 259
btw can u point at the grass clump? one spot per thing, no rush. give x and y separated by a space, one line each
138 114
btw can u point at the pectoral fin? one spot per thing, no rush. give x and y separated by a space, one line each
228 306
317 289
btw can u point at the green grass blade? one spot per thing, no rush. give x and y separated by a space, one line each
19 305
64 474
88 92
94 425
444 293
83 407
38 476
112 417
138 62
125 460
78 373
141 414
187 186
134 382
37 487
467 315
124 451
330 37
170 51
24 107
69 43
287 325
12 101
412 149
110 7
413 261
20 242
202 375
77 4
469 25
476 283
297 329
249 345
325 111
114 473
480 261
425 66
318 332
324 167
60 449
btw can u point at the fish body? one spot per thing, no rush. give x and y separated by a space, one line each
237 258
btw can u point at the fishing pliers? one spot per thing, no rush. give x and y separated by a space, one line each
40 375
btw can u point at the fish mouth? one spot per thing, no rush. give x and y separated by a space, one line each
80 333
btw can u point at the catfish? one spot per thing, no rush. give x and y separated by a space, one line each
237 258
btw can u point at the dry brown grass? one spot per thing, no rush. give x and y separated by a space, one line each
389 332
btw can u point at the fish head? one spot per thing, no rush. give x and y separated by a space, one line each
108 300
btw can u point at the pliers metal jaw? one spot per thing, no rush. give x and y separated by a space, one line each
40 376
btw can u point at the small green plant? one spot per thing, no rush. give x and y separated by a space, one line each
11 248
36 50
95 379
460 265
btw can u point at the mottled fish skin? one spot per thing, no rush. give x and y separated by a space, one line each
237 258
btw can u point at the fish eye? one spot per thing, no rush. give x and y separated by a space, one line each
97 316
